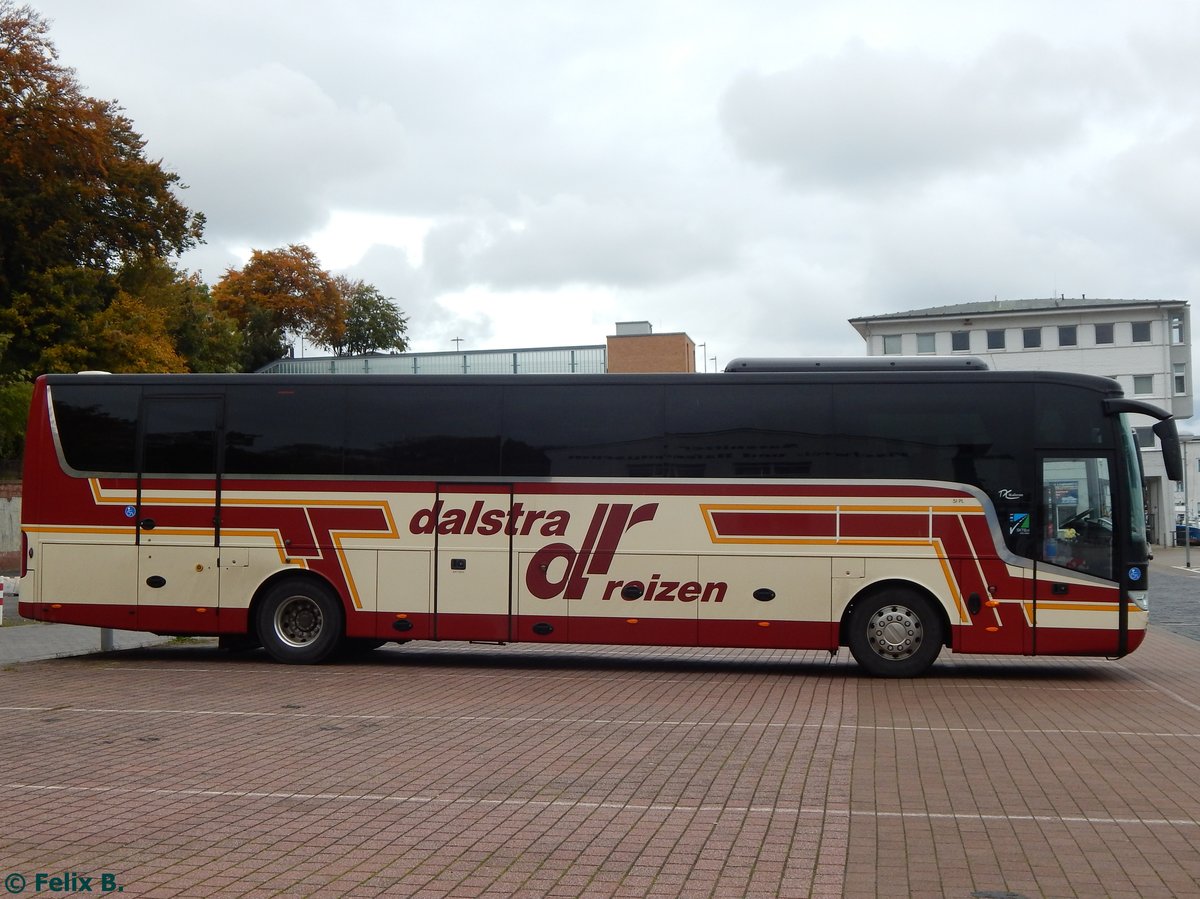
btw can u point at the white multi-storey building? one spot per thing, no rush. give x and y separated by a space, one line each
1143 344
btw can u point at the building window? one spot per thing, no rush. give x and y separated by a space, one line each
1145 437
1141 332
1179 374
960 341
1177 335
926 344
996 339
1104 333
1066 335
891 344
1143 385
1032 338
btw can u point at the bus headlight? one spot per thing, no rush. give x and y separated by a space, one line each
1141 599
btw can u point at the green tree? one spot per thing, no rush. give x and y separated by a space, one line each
205 338
146 317
277 295
372 320
76 192
51 317
15 395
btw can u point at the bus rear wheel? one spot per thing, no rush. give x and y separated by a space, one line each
895 634
299 622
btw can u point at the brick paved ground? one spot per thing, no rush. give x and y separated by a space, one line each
467 771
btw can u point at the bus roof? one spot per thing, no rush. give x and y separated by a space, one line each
1105 386
860 363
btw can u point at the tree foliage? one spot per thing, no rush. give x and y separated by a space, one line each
79 200
203 336
372 320
15 395
88 228
282 294
276 295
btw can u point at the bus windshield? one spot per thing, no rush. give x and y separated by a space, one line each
1131 459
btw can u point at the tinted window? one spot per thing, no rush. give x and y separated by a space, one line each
290 430
1141 332
960 340
950 432
414 430
1104 333
995 340
1066 335
97 426
748 430
1069 418
587 430
181 435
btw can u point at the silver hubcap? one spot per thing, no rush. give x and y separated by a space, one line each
298 621
894 632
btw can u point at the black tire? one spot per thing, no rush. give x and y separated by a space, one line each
897 633
300 622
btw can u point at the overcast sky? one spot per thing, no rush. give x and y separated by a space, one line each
752 173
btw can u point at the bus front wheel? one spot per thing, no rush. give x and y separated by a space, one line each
300 622
895 634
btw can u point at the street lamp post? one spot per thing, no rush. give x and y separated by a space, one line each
1187 509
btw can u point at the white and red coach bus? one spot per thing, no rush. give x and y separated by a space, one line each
893 512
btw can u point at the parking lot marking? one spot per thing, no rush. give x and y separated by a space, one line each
1166 691
622 722
835 813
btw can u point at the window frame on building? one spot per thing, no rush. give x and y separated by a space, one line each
1068 335
995 338
1031 338
1139 332
1104 333
892 345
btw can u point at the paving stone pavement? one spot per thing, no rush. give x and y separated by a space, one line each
457 770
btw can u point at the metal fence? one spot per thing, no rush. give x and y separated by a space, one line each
544 361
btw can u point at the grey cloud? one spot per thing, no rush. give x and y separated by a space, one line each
868 118
264 166
1160 177
575 241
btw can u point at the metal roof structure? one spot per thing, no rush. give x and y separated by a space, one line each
994 307
529 361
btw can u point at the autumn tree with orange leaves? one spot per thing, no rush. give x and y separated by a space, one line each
79 204
283 294
278 295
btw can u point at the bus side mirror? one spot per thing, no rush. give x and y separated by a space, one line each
1168 436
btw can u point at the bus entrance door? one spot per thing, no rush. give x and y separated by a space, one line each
179 491
472 572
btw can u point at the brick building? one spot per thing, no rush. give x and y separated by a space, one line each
636 348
